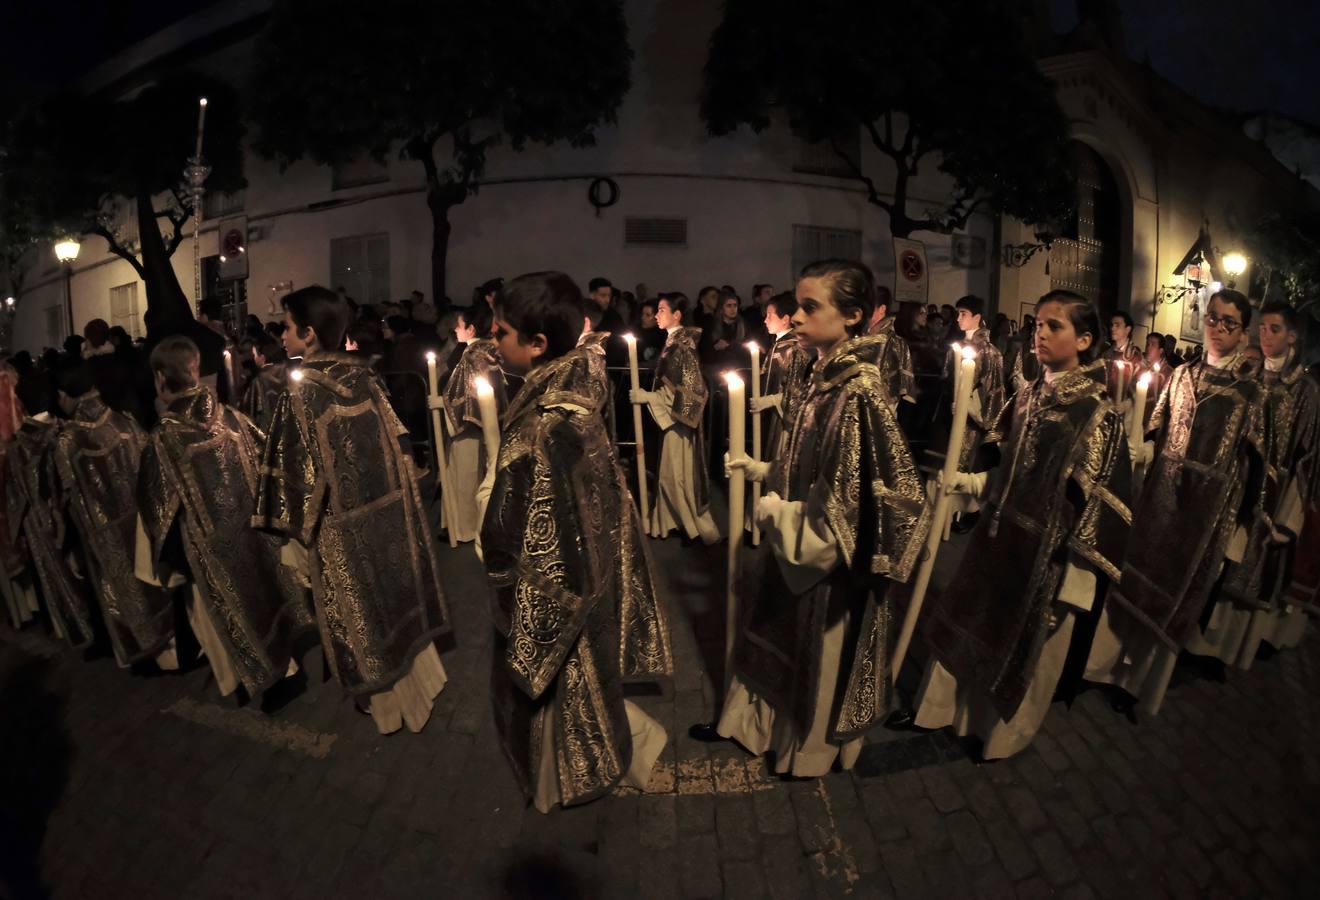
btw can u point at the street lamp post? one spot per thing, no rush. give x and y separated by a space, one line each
66 251
1234 265
196 174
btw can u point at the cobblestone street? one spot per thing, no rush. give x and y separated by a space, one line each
161 789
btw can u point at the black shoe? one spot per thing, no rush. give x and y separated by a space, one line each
902 720
965 523
706 733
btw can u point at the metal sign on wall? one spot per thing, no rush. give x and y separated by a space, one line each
233 248
911 274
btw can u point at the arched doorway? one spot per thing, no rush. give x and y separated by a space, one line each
1085 258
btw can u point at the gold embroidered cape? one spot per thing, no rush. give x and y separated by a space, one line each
96 457
788 373
894 360
846 445
575 609
36 517
263 392
988 401
479 360
196 493
1206 480
679 368
337 477
1292 414
1063 487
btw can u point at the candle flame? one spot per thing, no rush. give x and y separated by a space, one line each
957 347
969 353
1157 367
733 379
1144 380
430 356
483 386
630 338
202 102
753 347
296 374
226 353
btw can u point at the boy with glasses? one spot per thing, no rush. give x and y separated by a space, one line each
1204 488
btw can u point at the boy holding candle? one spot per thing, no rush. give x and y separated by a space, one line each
787 370
1205 485
1122 359
575 609
894 359
845 515
338 484
1056 530
195 493
987 399
466 455
677 406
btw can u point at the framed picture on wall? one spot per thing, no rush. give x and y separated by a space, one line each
1193 313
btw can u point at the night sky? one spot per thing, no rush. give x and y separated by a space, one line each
1240 55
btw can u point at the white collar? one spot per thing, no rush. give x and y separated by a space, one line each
675 328
1276 363
42 417
970 334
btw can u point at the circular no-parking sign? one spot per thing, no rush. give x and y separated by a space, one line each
910 264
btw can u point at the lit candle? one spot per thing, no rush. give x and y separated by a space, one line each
737 501
1136 415
1121 383
637 426
755 351
201 124
962 401
438 439
490 419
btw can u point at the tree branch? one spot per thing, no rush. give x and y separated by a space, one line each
177 238
117 248
872 195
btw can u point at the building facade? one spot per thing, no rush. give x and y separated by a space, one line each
688 209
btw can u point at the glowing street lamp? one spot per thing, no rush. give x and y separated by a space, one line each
66 251
1234 264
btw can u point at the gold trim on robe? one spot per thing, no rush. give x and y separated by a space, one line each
1063 487
988 401
96 454
263 392
338 478
37 518
574 609
479 360
845 446
894 360
788 375
679 369
198 482
1206 481
1133 361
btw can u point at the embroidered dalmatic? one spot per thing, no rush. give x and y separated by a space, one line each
467 451
679 400
811 665
1056 516
894 360
196 495
263 392
338 478
1207 481
784 383
575 609
37 523
96 457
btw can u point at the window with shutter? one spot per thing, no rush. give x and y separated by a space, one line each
124 309
811 244
654 232
360 266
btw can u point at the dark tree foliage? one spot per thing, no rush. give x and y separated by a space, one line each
80 165
440 82
951 85
1286 246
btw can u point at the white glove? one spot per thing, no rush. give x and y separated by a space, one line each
766 510
435 402
972 483
1145 453
641 398
751 469
761 404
